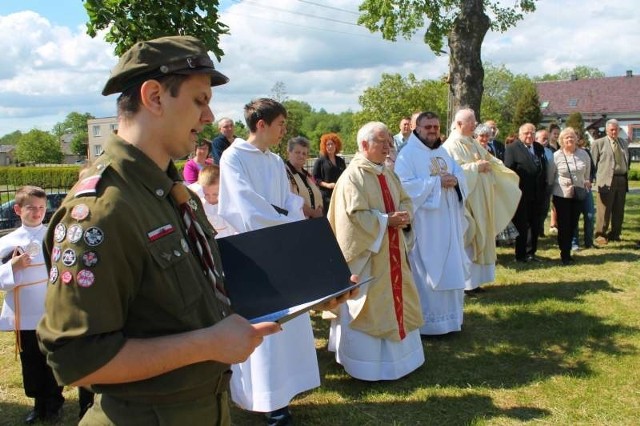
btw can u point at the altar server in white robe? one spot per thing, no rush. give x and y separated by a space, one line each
437 187
254 194
375 336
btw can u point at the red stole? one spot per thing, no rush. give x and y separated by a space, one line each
395 260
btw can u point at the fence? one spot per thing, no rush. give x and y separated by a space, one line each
8 218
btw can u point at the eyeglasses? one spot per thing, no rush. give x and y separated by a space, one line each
431 126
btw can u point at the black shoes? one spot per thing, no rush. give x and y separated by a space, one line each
48 416
475 291
33 416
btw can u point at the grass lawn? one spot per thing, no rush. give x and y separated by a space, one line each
546 344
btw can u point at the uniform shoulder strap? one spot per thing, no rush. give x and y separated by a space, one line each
88 185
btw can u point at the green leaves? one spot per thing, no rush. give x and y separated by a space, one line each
38 146
397 96
130 21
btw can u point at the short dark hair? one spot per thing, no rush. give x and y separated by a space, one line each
24 192
553 126
427 114
129 100
262 109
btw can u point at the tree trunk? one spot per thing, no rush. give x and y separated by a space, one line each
465 61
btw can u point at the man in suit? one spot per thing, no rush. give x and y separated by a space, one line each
526 157
611 158
494 146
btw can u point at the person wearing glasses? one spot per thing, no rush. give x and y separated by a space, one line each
494 146
439 263
492 199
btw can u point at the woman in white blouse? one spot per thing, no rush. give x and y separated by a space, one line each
569 175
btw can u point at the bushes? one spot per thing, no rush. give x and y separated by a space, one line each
45 177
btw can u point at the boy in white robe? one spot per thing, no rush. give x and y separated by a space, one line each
437 187
254 194
23 276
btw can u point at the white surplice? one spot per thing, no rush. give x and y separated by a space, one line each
252 182
23 304
439 262
223 229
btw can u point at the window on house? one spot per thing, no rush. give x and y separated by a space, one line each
97 150
573 102
96 130
113 127
634 130
544 104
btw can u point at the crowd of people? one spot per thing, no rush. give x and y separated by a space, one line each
127 292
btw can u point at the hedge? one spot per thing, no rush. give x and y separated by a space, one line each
46 177
66 176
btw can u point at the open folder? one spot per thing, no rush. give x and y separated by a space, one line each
277 273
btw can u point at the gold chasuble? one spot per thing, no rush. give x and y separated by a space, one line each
389 306
492 200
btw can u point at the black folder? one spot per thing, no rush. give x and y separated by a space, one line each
277 273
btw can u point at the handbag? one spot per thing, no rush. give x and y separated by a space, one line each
579 192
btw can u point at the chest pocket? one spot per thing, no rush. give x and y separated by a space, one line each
180 279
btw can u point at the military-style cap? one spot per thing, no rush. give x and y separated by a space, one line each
151 59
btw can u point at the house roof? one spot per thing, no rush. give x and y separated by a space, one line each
593 96
7 148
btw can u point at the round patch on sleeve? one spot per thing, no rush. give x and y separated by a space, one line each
90 259
59 232
85 278
80 212
94 236
66 277
69 257
53 274
75 233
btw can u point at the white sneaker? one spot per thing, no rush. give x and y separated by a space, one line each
553 230
575 248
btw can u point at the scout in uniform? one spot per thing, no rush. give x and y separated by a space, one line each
135 305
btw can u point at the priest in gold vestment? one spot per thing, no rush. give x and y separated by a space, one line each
376 335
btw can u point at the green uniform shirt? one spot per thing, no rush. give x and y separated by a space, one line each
121 267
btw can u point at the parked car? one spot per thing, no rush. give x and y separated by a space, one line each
9 219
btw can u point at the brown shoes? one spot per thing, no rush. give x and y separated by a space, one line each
601 241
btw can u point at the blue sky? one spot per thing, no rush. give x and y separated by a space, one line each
68 13
50 67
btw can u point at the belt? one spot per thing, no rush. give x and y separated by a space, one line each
184 396
620 175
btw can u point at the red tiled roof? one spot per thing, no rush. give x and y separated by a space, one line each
596 96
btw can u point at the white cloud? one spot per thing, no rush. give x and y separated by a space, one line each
47 71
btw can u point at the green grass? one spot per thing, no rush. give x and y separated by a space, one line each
546 344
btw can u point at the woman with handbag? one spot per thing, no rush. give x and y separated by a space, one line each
569 175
